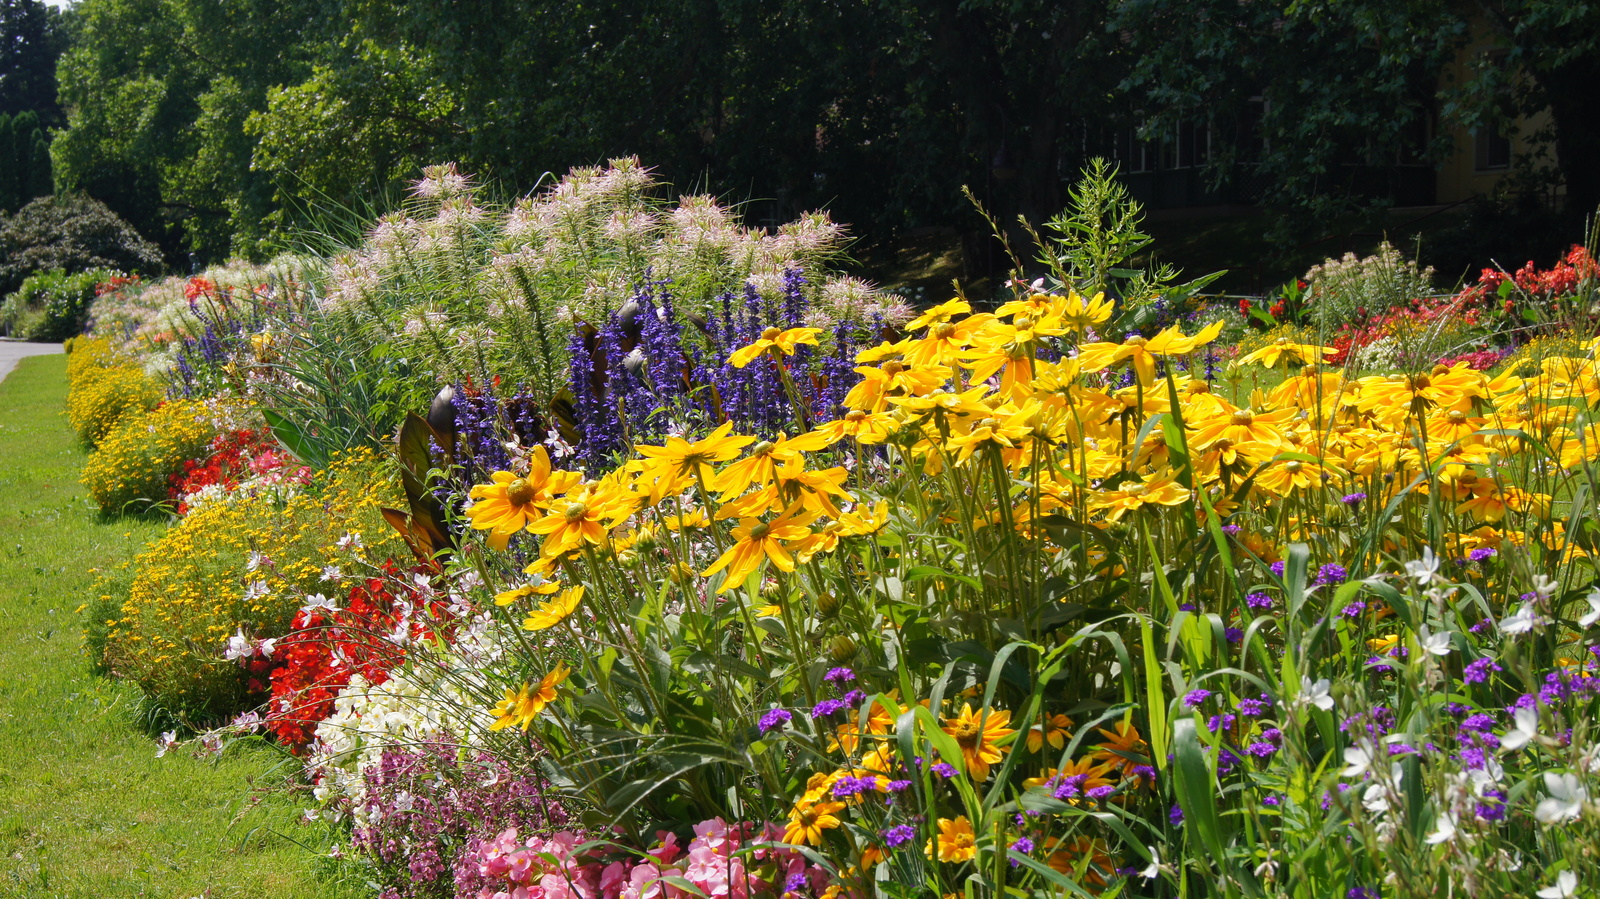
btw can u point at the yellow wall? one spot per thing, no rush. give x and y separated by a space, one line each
1459 178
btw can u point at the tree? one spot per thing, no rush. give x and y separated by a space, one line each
24 160
31 40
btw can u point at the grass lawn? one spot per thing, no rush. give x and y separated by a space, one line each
86 808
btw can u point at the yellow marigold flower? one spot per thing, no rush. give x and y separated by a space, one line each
551 613
520 707
944 341
955 843
864 520
808 819
694 518
755 540
774 340
979 735
680 457
877 384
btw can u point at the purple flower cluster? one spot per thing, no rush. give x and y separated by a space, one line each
775 719
899 835
1331 574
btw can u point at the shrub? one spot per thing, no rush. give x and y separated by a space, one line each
1342 290
72 234
234 569
102 389
52 306
134 463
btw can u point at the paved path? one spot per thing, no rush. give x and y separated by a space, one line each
12 350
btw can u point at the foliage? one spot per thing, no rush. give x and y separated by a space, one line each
104 388
236 570
32 37
24 160
72 234
52 306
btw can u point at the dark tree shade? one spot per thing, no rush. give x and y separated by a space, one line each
31 40
24 160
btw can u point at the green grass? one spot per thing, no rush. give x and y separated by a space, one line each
86 808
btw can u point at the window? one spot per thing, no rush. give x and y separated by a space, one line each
1491 150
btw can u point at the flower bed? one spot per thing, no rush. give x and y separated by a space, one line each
760 587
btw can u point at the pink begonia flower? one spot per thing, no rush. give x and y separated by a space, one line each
668 850
612 880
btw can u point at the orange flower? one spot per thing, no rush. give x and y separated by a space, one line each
979 736
956 842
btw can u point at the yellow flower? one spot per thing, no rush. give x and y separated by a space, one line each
549 614
1079 314
1130 496
755 540
979 736
864 427
955 843
1284 349
1053 730
1122 744
521 706
871 393
808 819
680 457
938 314
1142 352
778 341
525 591
760 466
586 516
864 520
506 505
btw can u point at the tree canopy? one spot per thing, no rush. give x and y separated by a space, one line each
222 125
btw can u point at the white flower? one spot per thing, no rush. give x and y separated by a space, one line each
1424 569
333 573
1318 694
167 741
1444 830
256 560
317 601
255 590
1525 726
1566 885
1152 870
1566 799
1357 760
351 540
267 647
238 647
1520 622
1593 615
1374 799
1436 644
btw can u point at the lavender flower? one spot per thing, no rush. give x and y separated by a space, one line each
774 719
